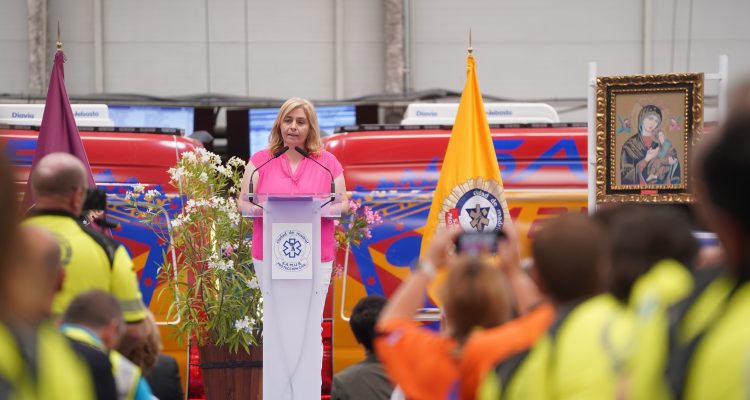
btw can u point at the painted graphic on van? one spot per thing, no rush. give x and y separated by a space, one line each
378 262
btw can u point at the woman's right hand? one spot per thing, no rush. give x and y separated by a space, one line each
442 247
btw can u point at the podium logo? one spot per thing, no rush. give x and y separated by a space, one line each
292 250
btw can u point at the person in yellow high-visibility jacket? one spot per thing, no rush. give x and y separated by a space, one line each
91 260
33 352
95 319
711 333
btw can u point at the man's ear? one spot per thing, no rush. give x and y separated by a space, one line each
111 334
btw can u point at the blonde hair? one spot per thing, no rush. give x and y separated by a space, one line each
475 295
313 143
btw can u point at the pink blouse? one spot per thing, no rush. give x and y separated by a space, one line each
277 177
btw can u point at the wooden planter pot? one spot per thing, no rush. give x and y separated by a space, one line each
232 376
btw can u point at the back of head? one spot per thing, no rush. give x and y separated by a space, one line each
95 309
364 317
640 237
474 295
145 351
566 253
725 168
58 175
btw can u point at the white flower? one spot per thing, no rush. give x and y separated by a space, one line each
253 283
244 324
216 263
236 162
151 194
177 222
232 190
129 196
189 157
234 217
203 177
215 158
176 173
224 171
202 155
138 188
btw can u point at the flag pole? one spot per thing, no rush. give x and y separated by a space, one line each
471 49
59 40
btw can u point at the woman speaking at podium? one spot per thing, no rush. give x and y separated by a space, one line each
294 163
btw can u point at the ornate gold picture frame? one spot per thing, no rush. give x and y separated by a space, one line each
646 127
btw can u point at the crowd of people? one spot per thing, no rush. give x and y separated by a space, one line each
72 320
624 303
621 304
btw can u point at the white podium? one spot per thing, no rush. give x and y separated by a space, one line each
291 276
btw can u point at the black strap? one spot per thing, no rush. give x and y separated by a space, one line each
680 356
107 244
508 368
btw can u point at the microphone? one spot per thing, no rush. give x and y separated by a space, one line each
307 155
279 152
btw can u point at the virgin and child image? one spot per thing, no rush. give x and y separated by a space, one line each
648 157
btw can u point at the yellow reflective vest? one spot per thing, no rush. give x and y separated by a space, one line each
55 373
578 358
127 375
92 261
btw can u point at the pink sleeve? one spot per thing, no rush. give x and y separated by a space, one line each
334 165
260 157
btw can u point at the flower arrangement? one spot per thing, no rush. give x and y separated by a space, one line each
355 224
218 299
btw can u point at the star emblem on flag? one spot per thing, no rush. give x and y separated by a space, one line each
479 217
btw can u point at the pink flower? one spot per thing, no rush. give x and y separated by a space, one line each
354 206
372 217
336 222
228 251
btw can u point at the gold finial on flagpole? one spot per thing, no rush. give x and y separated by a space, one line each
59 40
471 49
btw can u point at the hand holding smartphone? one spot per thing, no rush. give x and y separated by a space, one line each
476 243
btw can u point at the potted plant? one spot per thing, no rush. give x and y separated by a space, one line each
217 300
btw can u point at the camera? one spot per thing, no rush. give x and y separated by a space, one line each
475 243
96 199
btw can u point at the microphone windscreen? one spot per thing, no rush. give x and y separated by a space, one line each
302 151
280 151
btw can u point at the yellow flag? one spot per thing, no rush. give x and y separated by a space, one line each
469 192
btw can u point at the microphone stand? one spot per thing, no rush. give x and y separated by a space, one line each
305 154
251 192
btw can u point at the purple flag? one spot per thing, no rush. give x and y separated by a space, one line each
58 132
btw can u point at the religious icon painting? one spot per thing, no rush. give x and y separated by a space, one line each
646 127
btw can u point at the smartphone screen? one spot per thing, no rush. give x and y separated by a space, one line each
475 243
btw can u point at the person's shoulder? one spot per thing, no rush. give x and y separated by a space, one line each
359 371
326 156
108 244
260 156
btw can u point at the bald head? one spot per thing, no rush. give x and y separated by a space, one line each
59 181
58 175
